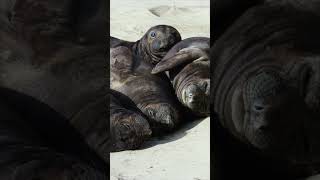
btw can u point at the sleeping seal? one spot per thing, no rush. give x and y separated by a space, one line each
189 70
265 88
154 45
152 94
128 126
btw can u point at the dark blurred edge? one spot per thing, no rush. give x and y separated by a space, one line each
107 54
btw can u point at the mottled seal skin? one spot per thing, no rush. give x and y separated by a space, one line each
152 94
39 143
154 45
189 70
264 90
129 128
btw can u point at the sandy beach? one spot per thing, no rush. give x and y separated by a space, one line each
185 154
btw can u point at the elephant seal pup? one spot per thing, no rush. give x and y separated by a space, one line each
154 45
265 88
126 130
189 70
129 128
152 94
38 143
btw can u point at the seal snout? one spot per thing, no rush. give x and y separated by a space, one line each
132 131
163 114
196 97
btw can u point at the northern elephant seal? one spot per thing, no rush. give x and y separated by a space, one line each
153 45
41 55
129 128
39 143
152 94
188 64
264 91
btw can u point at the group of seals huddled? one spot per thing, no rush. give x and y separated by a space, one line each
265 91
137 72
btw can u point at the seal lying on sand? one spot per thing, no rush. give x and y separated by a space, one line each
128 127
189 70
38 143
154 45
265 88
152 94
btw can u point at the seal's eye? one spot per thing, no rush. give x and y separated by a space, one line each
153 34
258 107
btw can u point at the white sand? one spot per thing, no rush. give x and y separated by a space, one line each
130 19
184 155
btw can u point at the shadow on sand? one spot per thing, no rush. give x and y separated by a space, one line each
179 133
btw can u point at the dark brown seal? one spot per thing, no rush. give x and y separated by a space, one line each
152 94
129 128
188 64
44 55
265 83
38 143
154 45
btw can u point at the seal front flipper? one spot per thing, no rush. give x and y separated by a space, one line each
184 56
121 59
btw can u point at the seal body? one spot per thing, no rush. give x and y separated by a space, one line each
39 143
152 94
129 128
64 73
258 92
41 56
154 45
188 64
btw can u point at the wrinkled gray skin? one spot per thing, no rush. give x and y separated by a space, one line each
154 44
48 55
189 70
152 94
128 127
265 83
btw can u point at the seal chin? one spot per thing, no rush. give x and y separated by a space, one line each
196 97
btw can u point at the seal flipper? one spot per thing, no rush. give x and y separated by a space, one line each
121 59
184 56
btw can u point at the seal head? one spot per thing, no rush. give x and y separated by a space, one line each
156 42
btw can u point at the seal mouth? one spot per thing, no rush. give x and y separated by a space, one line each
196 98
